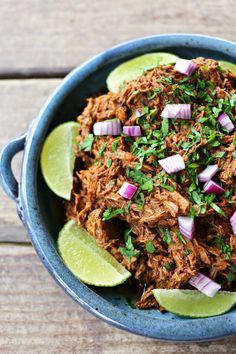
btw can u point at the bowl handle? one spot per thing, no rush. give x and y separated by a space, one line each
7 179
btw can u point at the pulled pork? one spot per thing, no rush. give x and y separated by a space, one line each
157 261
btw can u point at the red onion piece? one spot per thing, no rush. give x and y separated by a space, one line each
226 122
208 173
182 111
186 226
107 127
213 187
172 164
127 190
204 284
185 66
132 130
233 222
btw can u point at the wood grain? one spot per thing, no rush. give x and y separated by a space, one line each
42 39
20 102
61 34
38 317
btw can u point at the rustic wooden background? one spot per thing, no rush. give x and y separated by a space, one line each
39 42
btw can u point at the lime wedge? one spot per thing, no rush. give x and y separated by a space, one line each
228 65
58 158
86 260
133 68
192 303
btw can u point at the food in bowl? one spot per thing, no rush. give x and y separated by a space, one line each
154 177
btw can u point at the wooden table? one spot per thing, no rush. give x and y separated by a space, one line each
39 42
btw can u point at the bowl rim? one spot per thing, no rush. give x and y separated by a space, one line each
167 330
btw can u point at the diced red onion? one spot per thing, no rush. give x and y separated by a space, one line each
233 222
172 164
185 66
204 284
138 112
226 122
132 130
186 226
208 173
107 127
182 111
127 190
213 187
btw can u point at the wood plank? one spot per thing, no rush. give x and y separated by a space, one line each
65 34
20 102
38 317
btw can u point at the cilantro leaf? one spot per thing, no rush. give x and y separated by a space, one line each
102 149
165 233
115 144
165 127
109 163
180 237
224 247
111 213
129 249
150 248
87 143
169 266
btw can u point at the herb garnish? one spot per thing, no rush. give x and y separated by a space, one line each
169 266
150 248
87 143
165 233
180 237
155 91
129 249
102 149
109 163
115 144
224 247
232 274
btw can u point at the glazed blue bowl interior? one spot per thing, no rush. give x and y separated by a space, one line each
43 211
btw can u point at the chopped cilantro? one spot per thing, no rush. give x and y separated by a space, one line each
180 237
187 252
169 266
220 155
115 144
102 149
147 186
150 248
111 213
139 198
232 274
165 233
224 247
165 127
109 163
155 91
166 186
129 249
87 143
146 183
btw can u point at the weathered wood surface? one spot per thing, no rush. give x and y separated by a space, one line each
37 317
20 102
61 34
45 39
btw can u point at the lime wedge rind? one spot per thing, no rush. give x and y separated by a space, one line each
194 304
58 158
86 260
135 67
227 65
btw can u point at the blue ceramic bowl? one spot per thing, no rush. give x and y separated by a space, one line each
41 211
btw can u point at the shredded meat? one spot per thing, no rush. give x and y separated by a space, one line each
96 186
